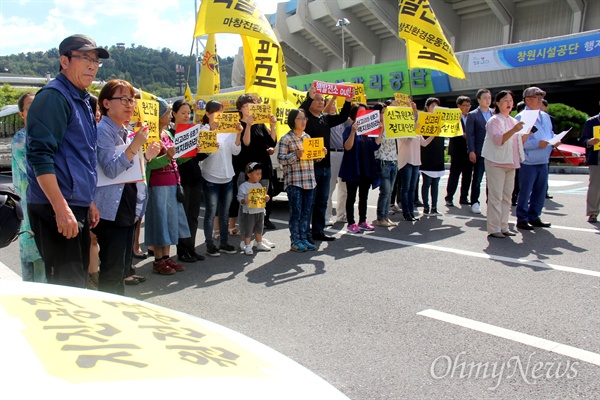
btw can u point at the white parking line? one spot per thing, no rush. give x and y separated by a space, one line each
529 340
521 261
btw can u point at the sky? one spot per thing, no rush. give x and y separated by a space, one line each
39 25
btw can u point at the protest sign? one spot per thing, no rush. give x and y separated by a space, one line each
256 197
313 148
228 122
186 140
402 99
428 124
260 112
207 141
399 122
367 122
449 121
597 136
334 89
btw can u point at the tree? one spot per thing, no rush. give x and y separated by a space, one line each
566 117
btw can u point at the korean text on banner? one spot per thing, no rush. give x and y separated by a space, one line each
133 174
449 122
359 95
399 122
241 17
210 80
428 124
313 148
426 44
597 136
281 110
265 68
367 122
334 89
260 112
228 122
207 141
186 140
257 197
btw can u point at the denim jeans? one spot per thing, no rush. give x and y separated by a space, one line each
409 174
533 182
217 197
387 171
322 176
300 202
116 253
478 170
434 183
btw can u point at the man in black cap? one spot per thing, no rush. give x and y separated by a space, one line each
61 163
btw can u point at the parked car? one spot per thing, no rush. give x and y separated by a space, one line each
568 154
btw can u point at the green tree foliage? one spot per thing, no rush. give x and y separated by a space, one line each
566 117
10 95
149 69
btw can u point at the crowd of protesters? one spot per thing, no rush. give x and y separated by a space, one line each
64 147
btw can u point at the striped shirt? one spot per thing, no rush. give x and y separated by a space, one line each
296 172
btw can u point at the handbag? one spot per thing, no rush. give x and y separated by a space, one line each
180 194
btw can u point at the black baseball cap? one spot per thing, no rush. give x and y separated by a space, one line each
80 43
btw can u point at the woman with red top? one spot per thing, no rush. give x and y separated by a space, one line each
165 217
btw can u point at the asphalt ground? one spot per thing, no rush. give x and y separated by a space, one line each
427 310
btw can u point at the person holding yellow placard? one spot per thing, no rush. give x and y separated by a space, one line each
299 180
252 214
590 138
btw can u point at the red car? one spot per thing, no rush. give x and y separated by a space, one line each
568 154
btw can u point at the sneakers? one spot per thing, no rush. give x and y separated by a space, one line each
434 212
248 250
395 209
449 203
242 245
268 243
353 228
298 247
267 224
475 208
227 248
342 218
309 246
328 220
262 247
365 226
426 211
212 251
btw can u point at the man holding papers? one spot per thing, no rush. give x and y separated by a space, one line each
591 139
533 177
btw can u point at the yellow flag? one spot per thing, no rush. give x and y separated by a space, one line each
426 44
233 16
265 68
210 80
188 94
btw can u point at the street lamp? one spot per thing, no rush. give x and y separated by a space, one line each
342 23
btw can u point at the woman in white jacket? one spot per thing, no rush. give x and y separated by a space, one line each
218 174
503 152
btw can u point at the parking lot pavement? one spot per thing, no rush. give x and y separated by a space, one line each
432 309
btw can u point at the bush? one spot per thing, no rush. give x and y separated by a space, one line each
566 117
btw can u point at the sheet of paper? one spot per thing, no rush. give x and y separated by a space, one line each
133 174
558 138
528 117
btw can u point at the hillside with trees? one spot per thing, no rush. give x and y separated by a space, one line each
146 68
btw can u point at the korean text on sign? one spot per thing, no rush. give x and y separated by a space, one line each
368 123
260 112
186 140
334 89
257 197
228 122
313 148
399 122
402 99
597 136
428 124
207 141
449 121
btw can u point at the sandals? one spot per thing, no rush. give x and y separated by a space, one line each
593 218
234 231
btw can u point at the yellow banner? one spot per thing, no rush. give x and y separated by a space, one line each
399 122
597 136
281 110
227 99
265 68
257 197
260 112
210 80
233 16
449 122
207 142
428 124
313 148
228 122
188 94
426 44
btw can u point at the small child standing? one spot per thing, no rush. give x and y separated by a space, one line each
251 218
